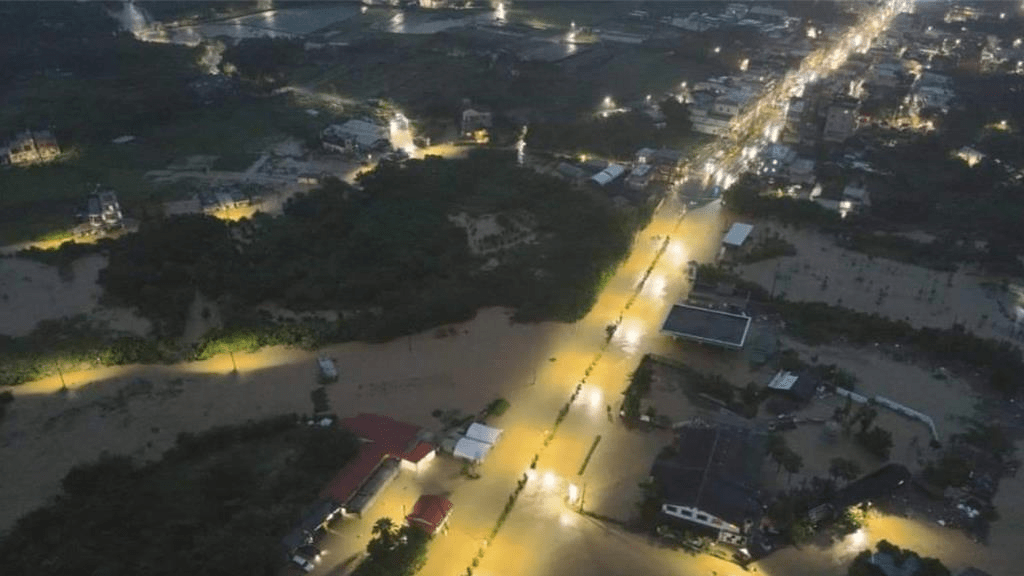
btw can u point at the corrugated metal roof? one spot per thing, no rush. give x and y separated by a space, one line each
783 381
737 235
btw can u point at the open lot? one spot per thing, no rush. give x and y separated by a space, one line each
823 272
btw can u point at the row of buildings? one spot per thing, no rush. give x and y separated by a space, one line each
387 448
30 147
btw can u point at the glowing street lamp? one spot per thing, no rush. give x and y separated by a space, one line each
574 493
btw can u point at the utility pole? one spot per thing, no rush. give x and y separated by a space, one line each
234 367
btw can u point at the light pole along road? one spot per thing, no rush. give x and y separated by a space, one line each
542 535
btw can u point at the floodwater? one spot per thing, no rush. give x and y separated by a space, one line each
824 272
31 292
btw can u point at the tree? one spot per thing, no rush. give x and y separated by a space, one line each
792 462
843 469
877 441
384 538
865 417
676 115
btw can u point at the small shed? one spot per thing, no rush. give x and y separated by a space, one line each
430 513
800 387
472 450
483 433
737 235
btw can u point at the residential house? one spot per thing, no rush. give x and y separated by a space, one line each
430 513
640 177
475 123
30 148
103 210
708 480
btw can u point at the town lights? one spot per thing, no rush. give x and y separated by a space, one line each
717 49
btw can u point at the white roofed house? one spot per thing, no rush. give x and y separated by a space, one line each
477 442
608 175
359 136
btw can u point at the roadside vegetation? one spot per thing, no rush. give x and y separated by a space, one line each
394 550
902 558
216 503
385 257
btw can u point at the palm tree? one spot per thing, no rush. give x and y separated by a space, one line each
383 537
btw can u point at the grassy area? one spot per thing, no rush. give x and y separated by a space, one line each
216 503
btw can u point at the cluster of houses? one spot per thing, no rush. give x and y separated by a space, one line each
625 181
30 147
768 20
387 448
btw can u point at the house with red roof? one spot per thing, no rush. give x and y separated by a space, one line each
388 446
430 513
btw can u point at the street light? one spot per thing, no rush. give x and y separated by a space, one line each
574 493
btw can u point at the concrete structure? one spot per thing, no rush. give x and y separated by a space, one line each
709 480
707 326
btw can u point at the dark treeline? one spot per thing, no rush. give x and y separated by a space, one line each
388 251
211 506
386 257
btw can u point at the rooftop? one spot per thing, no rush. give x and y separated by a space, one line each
738 234
707 325
714 469
429 512
383 439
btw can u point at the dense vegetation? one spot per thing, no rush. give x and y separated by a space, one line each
387 256
216 504
862 565
617 136
394 550
67 343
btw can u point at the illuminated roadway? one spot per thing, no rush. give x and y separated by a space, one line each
542 535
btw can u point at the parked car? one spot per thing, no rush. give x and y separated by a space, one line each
306 557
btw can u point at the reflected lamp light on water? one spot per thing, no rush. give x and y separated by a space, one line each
595 398
574 493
